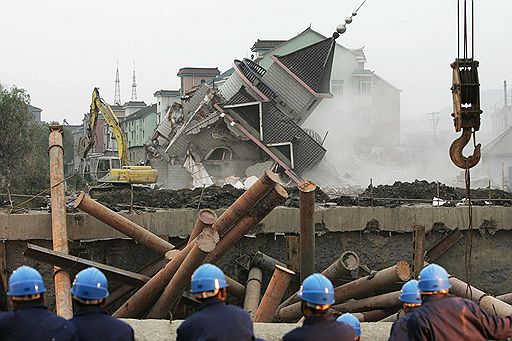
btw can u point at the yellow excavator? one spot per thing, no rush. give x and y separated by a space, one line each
112 169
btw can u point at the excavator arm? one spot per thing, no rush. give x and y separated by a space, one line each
98 105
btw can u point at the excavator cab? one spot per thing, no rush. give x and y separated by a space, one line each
105 166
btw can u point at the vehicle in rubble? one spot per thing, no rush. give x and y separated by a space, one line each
112 170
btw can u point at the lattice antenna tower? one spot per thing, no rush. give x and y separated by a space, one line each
134 85
117 93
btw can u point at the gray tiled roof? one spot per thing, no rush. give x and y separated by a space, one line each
312 64
242 96
204 71
141 113
266 44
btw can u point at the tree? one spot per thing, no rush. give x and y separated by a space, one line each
24 162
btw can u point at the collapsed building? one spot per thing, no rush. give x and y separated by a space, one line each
196 145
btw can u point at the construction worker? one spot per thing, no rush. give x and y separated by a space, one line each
444 317
317 296
91 320
352 321
215 320
411 300
30 319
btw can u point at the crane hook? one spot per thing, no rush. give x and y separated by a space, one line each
456 151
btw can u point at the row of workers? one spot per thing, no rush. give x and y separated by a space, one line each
430 312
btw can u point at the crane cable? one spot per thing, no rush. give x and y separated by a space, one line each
469 95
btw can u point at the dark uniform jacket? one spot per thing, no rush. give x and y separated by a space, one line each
323 328
32 321
216 320
454 318
399 329
94 324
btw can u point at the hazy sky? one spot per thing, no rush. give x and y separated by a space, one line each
60 50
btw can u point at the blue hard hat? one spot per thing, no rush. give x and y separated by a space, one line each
90 284
25 281
433 278
317 289
352 321
410 292
208 277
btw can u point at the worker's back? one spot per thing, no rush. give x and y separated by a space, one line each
215 320
452 318
321 328
32 321
93 324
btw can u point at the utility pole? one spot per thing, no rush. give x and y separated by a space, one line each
434 117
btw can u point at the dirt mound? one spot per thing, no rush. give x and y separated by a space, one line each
210 197
428 190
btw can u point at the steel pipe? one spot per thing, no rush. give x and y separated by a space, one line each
507 298
122 224
235 288
205 218
274 294
63 302
374 315
262 208
253 291
399 272
204 243
490 304
307 228
418 248
343 266
149 293
245 202
265 262
384 301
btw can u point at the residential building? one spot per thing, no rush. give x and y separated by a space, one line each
36 112
203 148
497 160
139 128
194 76
164 100
363 116
260 47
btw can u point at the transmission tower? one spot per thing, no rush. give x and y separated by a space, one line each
134 85
117 94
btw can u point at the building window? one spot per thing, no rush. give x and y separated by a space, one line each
311 105
365 88
220 154
366 120
337 86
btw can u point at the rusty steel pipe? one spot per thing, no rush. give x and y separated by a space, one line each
418 247
385 301
490 304
63 302
235 288
204 243
399 272
343 266
307 228
262 208
274 294
245 202
253 291
374 315
265 262
507 298
205 218
149 293
122 224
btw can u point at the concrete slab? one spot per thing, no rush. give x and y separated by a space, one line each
159 330
179 222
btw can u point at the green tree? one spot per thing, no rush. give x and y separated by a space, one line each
24 162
